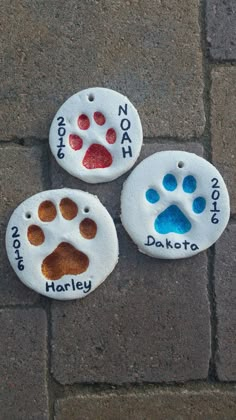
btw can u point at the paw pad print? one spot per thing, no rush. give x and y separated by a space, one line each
65 259
172 218
97 155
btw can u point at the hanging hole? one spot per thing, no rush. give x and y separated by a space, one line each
86 210
180 165
28 215
91 97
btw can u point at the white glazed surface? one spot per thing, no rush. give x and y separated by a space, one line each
120 115
102 250
138 215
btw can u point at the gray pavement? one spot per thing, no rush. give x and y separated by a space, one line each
157 339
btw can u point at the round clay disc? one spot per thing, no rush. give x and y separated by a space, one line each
96 135
174 205
62 243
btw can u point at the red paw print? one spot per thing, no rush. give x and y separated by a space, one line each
96 156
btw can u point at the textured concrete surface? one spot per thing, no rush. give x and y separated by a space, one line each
223 122
137 307
21 175
221 29
149 51
23 358
225 269
151 321
167 404
109 193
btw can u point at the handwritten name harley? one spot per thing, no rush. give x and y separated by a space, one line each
73 285
168 244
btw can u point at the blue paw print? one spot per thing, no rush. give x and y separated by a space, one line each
172 219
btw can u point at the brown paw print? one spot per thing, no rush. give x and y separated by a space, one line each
65 259
97 155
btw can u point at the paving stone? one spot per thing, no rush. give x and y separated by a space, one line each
23 364
109 193
225 289
221 29
223 123
148 322
169 404
149 51
21 174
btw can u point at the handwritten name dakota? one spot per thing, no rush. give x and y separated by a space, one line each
169 244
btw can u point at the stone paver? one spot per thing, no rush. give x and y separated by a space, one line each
225 288
23 355
149 51
21 174
167 404
223 123
221 29
149 321
109 193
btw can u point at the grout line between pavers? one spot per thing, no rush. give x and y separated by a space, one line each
46 302
222 63
26 306
173 139
79 389
212 375
27 142
49 379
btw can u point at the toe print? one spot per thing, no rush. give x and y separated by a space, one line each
111 136
199 205
152 196
99 118
83 122
62 243
169 182
35 235
47 211
68 208
172 219
189 184
88 228
75 142
65 259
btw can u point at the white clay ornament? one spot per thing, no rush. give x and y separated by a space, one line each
62 243
174 205
96 135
